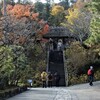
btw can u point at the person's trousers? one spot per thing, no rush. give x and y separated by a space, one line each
44 84
90 80
57 83
49 83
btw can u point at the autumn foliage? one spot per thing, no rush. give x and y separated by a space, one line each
23 22
19 10
56 10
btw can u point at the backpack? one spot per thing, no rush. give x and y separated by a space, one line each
50 77
89 72
43 75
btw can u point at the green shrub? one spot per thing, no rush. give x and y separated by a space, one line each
78 79
97 75
83 78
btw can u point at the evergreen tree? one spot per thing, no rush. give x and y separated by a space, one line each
94 38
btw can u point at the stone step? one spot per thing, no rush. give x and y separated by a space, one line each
56 64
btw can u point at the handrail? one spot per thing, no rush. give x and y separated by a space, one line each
47 68
65 70
47 62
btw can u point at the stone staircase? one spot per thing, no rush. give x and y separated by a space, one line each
56 64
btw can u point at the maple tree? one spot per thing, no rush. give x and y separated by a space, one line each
22 24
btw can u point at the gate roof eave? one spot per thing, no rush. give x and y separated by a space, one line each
59 32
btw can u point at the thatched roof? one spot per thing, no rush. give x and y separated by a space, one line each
59 32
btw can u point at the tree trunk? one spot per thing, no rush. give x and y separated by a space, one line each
4 7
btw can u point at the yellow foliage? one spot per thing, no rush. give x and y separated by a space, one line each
57 9
73 13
